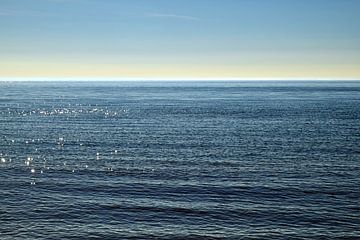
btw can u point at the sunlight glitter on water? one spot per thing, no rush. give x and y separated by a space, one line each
203 161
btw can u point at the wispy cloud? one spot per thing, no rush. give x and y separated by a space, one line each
175 16
7 12
65 1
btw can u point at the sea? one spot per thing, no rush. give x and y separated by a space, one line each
180 160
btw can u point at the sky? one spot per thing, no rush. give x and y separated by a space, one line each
180 39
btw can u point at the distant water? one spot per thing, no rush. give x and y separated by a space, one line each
180 160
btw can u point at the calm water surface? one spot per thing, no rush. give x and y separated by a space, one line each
180 160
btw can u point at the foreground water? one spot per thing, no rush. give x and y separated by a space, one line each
179 160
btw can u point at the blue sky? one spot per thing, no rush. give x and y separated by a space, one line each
180 38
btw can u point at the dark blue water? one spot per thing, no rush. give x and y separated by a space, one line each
180 160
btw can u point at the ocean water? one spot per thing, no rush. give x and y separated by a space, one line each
180 160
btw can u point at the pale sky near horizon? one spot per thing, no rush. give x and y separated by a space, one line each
190 39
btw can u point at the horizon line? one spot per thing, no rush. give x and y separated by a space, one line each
91 79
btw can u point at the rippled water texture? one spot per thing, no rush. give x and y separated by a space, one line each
180 160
